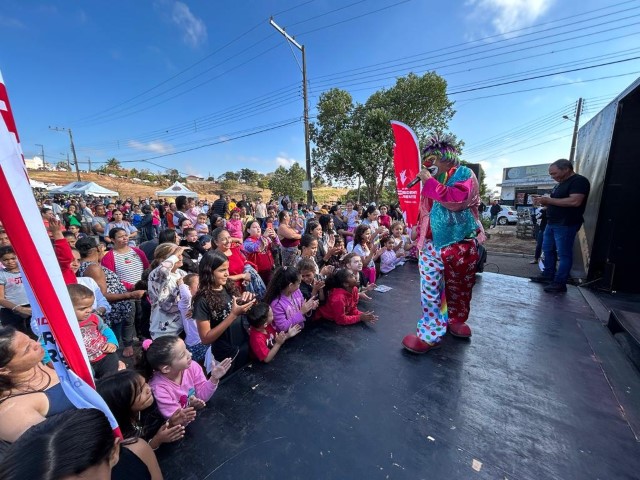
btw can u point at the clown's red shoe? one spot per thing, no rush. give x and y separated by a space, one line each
415 345
460 330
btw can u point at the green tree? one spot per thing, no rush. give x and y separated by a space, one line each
248 176
112 165
235 176
355 140
172 175
62 165
288 181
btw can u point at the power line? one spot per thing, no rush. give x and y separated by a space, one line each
505 37
464 59
193 65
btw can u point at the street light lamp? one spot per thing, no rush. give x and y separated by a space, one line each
307 147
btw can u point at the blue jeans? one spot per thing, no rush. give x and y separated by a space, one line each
557 245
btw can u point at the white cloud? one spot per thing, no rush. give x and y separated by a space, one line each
10 22
193 29
283 161
507 15
154 147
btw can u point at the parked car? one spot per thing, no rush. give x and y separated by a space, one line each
506 216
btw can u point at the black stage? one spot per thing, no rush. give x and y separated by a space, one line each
528 397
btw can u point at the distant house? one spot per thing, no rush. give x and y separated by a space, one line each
194 178
34 163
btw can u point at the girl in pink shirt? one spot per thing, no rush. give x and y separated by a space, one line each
286 300
235 226
178 382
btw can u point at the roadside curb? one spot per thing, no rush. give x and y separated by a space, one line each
509 254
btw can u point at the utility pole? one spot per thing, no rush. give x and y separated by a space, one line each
572 154
44 163
73 148
307 146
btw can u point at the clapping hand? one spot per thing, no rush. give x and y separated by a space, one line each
168 434
241 305
369 317
309 305
196 403
183 416
293 331
220 369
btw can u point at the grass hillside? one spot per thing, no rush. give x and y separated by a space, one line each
209 190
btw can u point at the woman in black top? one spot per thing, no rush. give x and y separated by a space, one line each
218 308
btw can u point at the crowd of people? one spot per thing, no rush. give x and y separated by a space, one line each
198 290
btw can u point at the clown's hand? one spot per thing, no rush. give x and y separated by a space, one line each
424 174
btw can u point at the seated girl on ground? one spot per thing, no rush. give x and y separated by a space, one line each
286 300
130 399
353 262
264 340
342 300
176 381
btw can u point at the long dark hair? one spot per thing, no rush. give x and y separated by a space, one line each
6 355
311 226
324 223
359 233
248 226
368 211
215 234
306 240
337 279
214 298
70 442
120 391
280 280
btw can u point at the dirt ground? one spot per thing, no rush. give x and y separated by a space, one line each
205 190
504 240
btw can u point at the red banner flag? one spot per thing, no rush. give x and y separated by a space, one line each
53 316
406 160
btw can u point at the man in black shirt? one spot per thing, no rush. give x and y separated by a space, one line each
494 211
565 208
220 206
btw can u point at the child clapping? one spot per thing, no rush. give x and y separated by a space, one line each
265 342
177 381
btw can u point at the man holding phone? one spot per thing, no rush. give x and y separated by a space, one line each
565 207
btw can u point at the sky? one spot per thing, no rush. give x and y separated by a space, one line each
210 86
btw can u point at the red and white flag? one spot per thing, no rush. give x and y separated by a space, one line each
406 161
53 317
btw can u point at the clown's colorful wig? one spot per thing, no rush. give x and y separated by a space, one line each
444 147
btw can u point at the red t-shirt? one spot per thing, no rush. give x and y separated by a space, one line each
262 342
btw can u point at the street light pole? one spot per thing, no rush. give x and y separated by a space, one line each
576 125
44 163
307 146
73 148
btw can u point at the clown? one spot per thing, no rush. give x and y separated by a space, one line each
449 234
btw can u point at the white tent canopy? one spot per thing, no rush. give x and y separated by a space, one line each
37 184
85 188
176 190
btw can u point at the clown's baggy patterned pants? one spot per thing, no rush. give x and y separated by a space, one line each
446 280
